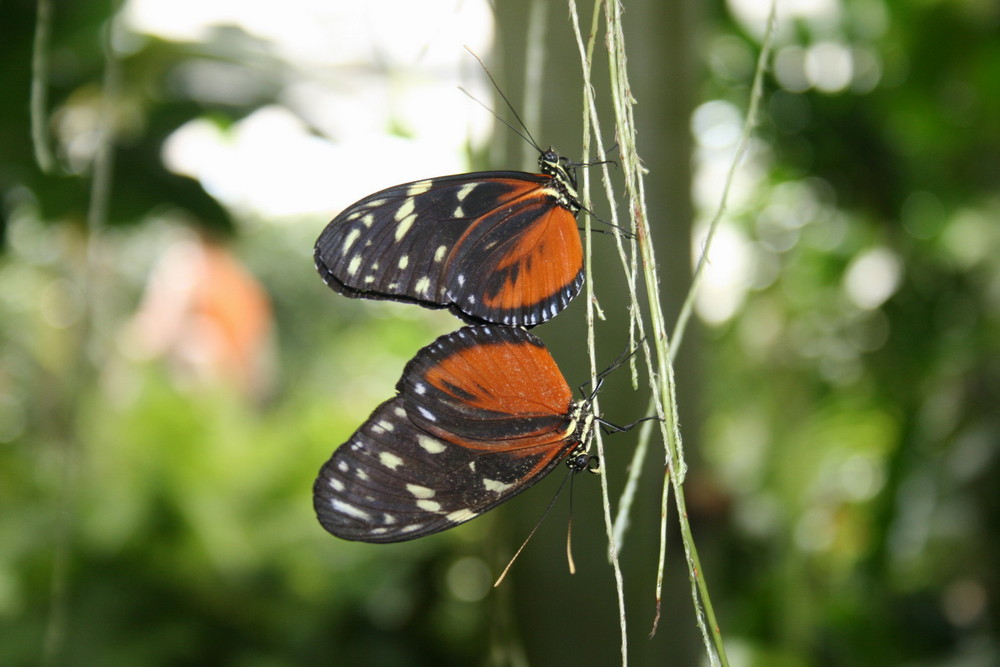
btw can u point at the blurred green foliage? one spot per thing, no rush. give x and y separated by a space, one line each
859 438
845 480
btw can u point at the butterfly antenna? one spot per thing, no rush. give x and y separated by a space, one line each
615 229
494 114
510 563
593 163
569 530
530 139
569 545
532 533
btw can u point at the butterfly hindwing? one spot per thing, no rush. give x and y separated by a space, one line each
482 414
528 255
498 246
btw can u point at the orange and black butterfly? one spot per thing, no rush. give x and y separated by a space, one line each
492 246
480 415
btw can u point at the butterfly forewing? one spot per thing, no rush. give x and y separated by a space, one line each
482 414
492 246
391 482
489 383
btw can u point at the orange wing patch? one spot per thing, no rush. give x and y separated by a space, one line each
510 378
542 260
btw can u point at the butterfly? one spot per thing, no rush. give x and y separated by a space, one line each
492 246
480 415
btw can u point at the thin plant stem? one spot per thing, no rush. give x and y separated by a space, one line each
40 88
586 55
756 93
90 328
621 98
660 369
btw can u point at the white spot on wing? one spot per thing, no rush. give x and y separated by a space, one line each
422 285
420 491
418 188
354 265
404 261
430 445
352 236
390 460
465 191
420 388
388 426
336 484
404 210
349 509
440 253
404 225
429 505
368 220
428 415
495 486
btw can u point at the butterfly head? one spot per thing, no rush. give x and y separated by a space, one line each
563 173
579 461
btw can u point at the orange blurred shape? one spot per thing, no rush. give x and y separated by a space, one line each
207 315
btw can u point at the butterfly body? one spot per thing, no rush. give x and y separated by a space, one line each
498 246
480 415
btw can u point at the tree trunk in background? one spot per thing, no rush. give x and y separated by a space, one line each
574 620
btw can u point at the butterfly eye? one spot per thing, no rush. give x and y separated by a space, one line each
495 246
480 415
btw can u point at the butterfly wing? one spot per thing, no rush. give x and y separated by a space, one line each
492 246
487 384
483 413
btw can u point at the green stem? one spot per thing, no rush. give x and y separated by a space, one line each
586 58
